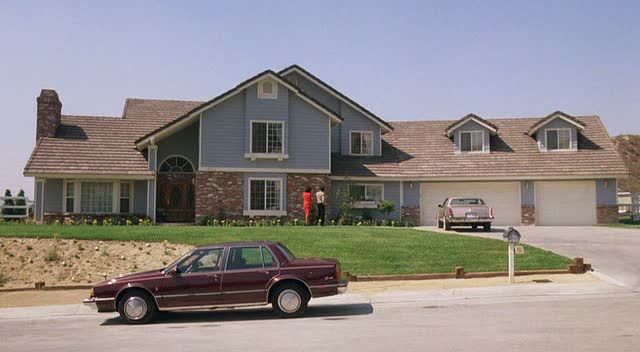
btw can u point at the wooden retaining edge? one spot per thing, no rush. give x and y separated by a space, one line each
47 288
578 267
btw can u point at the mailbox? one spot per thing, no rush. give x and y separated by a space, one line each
511 235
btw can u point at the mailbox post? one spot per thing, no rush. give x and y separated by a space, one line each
512 236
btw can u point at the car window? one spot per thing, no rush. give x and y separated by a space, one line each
202 261
244 258
286 252
466 201
269 260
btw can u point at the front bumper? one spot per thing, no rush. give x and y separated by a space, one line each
342 286
99 304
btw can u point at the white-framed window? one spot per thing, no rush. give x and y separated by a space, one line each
268 89
69 197
96 197
559 139
361 142
126 197
471 141
267 137
265 196
366 195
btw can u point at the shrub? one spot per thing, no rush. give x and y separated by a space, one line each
3 278
52 255
386 207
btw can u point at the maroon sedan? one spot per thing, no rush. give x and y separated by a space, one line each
222 275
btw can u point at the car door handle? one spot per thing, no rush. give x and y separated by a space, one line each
214 277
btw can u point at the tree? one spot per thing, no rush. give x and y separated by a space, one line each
21 202
8 202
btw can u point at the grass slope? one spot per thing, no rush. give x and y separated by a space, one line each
361 250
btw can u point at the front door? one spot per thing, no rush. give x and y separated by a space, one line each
197 281
247 274
176 197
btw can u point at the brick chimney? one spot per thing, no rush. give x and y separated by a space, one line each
49 114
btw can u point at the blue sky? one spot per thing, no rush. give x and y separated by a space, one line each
402 60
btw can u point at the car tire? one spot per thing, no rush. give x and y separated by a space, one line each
137 307
486 227
447 225
440 225
289 300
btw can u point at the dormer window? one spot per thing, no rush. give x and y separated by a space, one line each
471 141
361 142
267 89
559 139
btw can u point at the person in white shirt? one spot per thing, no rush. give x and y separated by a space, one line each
320 199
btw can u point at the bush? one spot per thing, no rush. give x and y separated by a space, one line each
386 207
52 255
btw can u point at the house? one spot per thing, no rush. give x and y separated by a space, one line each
251 151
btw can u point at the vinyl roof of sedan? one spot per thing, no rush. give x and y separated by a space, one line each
239 243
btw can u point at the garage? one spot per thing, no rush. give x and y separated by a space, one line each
503 197
565 203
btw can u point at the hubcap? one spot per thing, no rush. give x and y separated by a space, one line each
289 301
135 308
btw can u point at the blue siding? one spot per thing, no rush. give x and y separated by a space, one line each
336 142
225 132
472 126
140 197
606 192
355 121
183 142
316 92
283 177
527 193
53 196
411 195
541 135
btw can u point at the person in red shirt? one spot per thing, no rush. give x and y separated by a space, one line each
307 203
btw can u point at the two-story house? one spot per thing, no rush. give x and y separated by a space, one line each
251 151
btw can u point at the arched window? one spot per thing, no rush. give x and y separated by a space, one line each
176 164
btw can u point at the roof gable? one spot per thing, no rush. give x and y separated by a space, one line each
555 115
187 118
468 118
345 99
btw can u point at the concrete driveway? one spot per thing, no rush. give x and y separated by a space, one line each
613 252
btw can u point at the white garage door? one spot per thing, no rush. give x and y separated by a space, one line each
565 203
503 197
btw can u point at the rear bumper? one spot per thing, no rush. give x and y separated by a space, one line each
470 220
342 287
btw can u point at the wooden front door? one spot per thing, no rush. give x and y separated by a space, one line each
176 197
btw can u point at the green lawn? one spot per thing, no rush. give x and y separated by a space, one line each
361 250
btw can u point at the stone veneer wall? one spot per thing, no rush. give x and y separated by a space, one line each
528 214
296 184
410 214
607 214
48 115
219 190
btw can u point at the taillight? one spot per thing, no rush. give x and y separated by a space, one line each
491 211
338 273
450 212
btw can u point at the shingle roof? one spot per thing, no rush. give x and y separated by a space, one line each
536 126
421 149
470 117
156 109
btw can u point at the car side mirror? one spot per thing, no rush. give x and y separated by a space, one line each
174 271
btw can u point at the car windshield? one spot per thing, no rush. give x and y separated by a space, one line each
466 201
286 252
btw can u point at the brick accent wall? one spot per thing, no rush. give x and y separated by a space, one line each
296 185
219 190
410 214
607 214
528 214
49 114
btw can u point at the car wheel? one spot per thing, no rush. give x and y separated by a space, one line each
486 227
137 307
289 300
447 224
440 225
